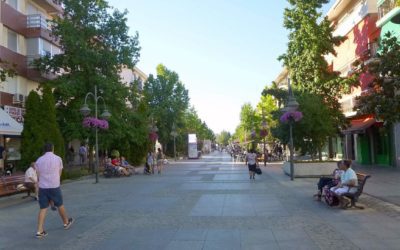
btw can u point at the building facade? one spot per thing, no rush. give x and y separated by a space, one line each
389 21
366 141
24 36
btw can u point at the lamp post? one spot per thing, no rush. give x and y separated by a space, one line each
264 134
174 134
85 110
291 106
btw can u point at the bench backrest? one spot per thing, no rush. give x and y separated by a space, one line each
11 182
361 178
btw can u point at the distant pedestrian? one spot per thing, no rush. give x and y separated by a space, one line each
82 154
149 163
49 167
160 160
251 161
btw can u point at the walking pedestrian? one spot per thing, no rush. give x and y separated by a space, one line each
49 167
82 154
251 161
160 160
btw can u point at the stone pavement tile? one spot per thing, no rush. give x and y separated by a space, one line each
371 244
256 236
209 205
270 245
392 244
297 244
190 234
185 245
227 235
219 245
290 234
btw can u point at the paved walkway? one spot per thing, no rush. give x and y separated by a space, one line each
201 204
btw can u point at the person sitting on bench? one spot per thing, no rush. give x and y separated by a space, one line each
328 181
348 182
31 179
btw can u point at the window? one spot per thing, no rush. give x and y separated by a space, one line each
12 41
13 3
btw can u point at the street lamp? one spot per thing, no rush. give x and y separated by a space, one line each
85 110
263 133
291 106
174 134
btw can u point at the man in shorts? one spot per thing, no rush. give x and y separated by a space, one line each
49 167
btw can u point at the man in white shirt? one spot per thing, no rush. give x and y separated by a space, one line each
31 180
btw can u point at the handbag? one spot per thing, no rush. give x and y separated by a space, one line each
258 171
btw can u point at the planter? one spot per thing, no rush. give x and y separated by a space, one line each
310 169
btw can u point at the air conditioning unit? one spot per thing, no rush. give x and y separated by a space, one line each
18 98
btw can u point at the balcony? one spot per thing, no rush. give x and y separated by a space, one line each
14 59
388 10
12 18
34 74
51 6
37 26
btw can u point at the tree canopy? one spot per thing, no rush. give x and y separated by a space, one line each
382 98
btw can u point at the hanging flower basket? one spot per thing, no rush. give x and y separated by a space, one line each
153 136
91 122
291 116
263 133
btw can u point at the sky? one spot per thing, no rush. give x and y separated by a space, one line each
224 51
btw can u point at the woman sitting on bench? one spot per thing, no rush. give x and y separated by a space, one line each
328 182
348 182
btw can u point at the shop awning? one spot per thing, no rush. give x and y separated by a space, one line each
358 126
9 126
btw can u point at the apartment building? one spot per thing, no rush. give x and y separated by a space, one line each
24 36
389 21
366 141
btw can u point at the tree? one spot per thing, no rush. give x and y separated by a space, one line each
310 40
382 98
223 138
96 45
312 130
32 133
40 126
48 122
167 100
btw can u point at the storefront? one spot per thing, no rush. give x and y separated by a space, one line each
10 132
367 142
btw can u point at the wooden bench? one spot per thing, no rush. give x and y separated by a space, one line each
10 185
362 179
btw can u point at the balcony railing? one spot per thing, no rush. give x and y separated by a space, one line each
37 21
386 7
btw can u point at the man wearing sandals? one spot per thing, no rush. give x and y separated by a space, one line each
49 167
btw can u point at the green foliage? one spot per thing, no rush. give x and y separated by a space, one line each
49 125
32 134
72 174
40 126
167 100
310 40
96 45
382 98
6 70
223 138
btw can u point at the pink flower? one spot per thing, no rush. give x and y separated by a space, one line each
291 115
91 122
153 136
